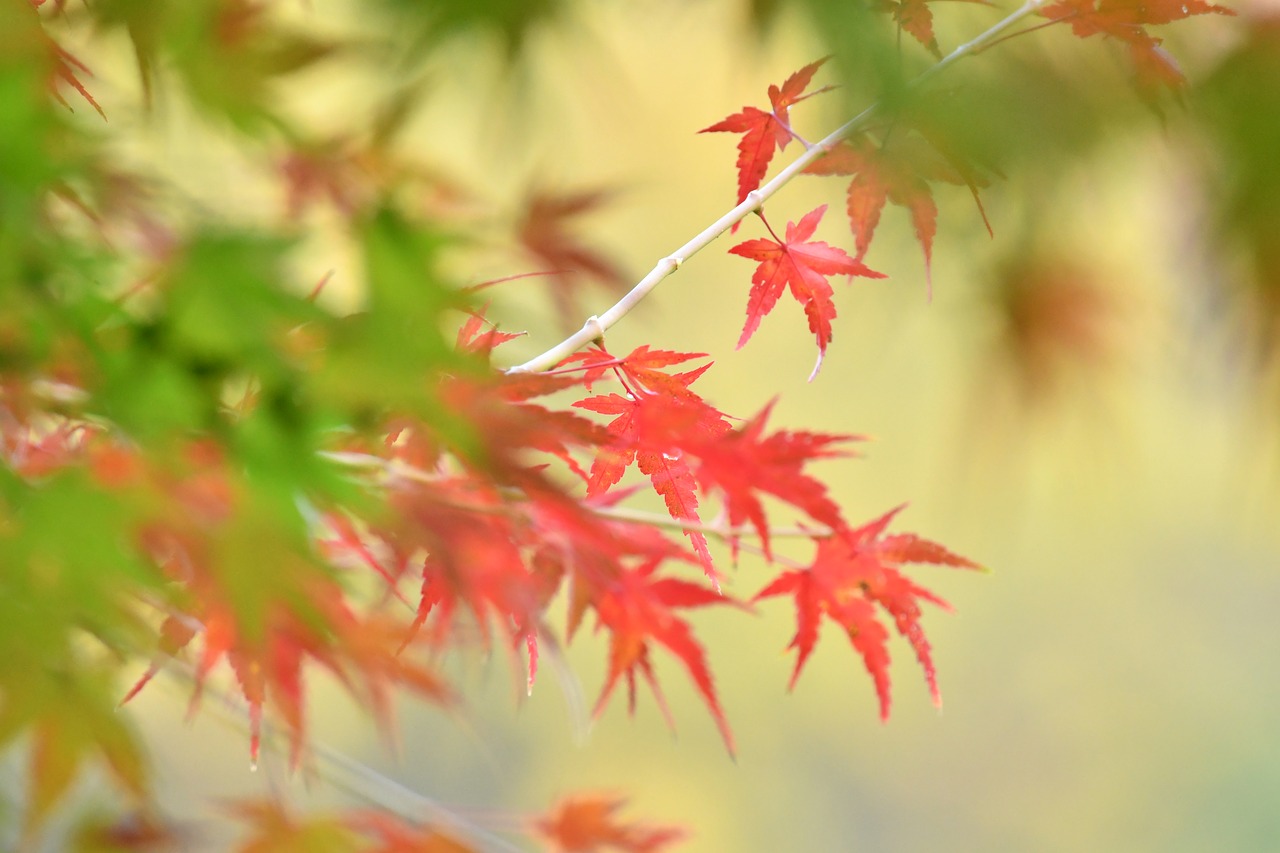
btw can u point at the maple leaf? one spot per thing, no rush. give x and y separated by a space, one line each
640 369
1126 20
746 462
803 266
916 18
472 561
272 668
898 173
649 431
637 610
69 724
320 172
588 823
474 337
266 626
543 232
852 572
763 132
653 422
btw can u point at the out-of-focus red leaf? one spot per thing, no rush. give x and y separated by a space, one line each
900 173
1056 317
588 823
638 609
544 232
1126 21
473 336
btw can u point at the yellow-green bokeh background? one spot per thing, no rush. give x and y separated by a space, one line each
1111 686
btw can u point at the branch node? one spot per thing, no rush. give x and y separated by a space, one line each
675 261
756 199
593 324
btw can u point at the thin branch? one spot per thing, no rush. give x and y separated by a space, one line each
391 469
353 777
653 519
596 326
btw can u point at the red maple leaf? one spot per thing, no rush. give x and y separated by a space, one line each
588 823
640 370
763 132
637 609
746 463
650 431
473 336
853 572
654 422
473 560
267 628
803 266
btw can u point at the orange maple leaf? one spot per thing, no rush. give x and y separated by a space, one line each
588 823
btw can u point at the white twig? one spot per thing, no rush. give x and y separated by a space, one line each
595 327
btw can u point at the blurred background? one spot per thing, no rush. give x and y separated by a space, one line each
1087 406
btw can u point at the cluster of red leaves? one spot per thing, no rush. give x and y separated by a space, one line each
203 532
493 535
1126 21
660 417
881 172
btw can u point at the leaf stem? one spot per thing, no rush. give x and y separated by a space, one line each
596 326
392 469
